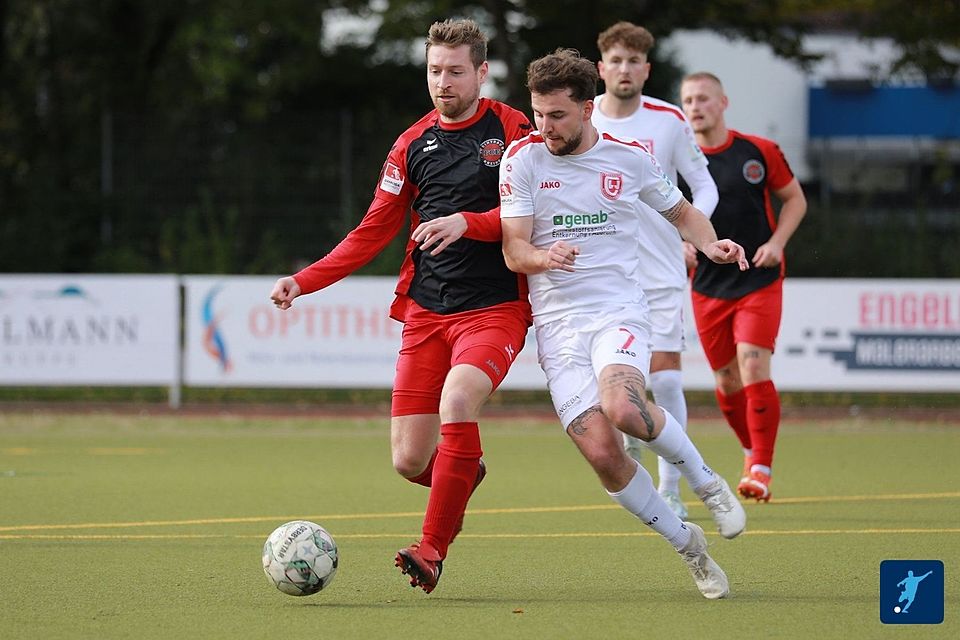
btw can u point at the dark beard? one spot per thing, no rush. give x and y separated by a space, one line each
570 145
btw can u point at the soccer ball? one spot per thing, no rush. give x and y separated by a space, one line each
300 558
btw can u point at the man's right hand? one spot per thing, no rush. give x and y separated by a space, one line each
284 291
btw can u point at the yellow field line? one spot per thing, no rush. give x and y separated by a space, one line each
410 514
478 536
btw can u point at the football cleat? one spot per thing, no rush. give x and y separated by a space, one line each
726 510
710 578
424 571
756 486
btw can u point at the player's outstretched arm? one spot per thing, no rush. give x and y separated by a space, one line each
284 292
695 228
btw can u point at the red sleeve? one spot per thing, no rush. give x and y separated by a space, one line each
779 173
382 222
484 226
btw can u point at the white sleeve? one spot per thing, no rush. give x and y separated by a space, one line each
516 199
657 191
703 190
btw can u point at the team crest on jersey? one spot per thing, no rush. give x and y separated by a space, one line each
753 171
392 180
491 151
611 185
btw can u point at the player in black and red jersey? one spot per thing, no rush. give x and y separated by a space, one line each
465 314
738 312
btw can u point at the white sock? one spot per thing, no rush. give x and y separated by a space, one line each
641 499
761 468
667 389
673 445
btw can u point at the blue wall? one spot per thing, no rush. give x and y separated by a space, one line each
885 111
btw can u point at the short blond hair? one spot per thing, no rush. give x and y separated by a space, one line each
702 75
459 32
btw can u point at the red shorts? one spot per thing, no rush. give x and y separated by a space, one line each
432 344
723 324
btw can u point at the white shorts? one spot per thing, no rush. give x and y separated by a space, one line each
666 319
574 350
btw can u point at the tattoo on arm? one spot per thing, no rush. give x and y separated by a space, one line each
673 212
750 355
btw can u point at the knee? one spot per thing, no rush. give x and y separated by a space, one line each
621 414
640 422
458 405
607 462
728 379
410 464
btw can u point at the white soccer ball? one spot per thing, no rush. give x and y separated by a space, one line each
300 558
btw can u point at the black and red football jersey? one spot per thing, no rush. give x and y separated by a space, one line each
436 169
746 168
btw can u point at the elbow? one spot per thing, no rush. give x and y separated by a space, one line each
510 262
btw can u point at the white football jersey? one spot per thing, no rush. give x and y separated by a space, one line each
662 128
591 200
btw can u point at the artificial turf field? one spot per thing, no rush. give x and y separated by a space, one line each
116 526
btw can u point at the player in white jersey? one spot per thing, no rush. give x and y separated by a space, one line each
662 128
571 221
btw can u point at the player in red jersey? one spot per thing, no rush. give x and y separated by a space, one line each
465 314
738 312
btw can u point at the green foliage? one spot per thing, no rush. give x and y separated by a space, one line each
131 131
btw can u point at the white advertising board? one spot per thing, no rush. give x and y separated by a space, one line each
339 337
858 335
836 335
89 330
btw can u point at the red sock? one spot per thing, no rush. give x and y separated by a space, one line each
734 408
454 474
763 418
426 476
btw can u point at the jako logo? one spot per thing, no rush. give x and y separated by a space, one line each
578 219
213 342
550 184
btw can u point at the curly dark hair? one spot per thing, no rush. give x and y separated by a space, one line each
564 69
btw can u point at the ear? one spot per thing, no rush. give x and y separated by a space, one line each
588 110
483 70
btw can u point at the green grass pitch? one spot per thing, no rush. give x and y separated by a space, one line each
117 526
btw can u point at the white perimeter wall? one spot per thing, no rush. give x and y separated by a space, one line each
836 335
